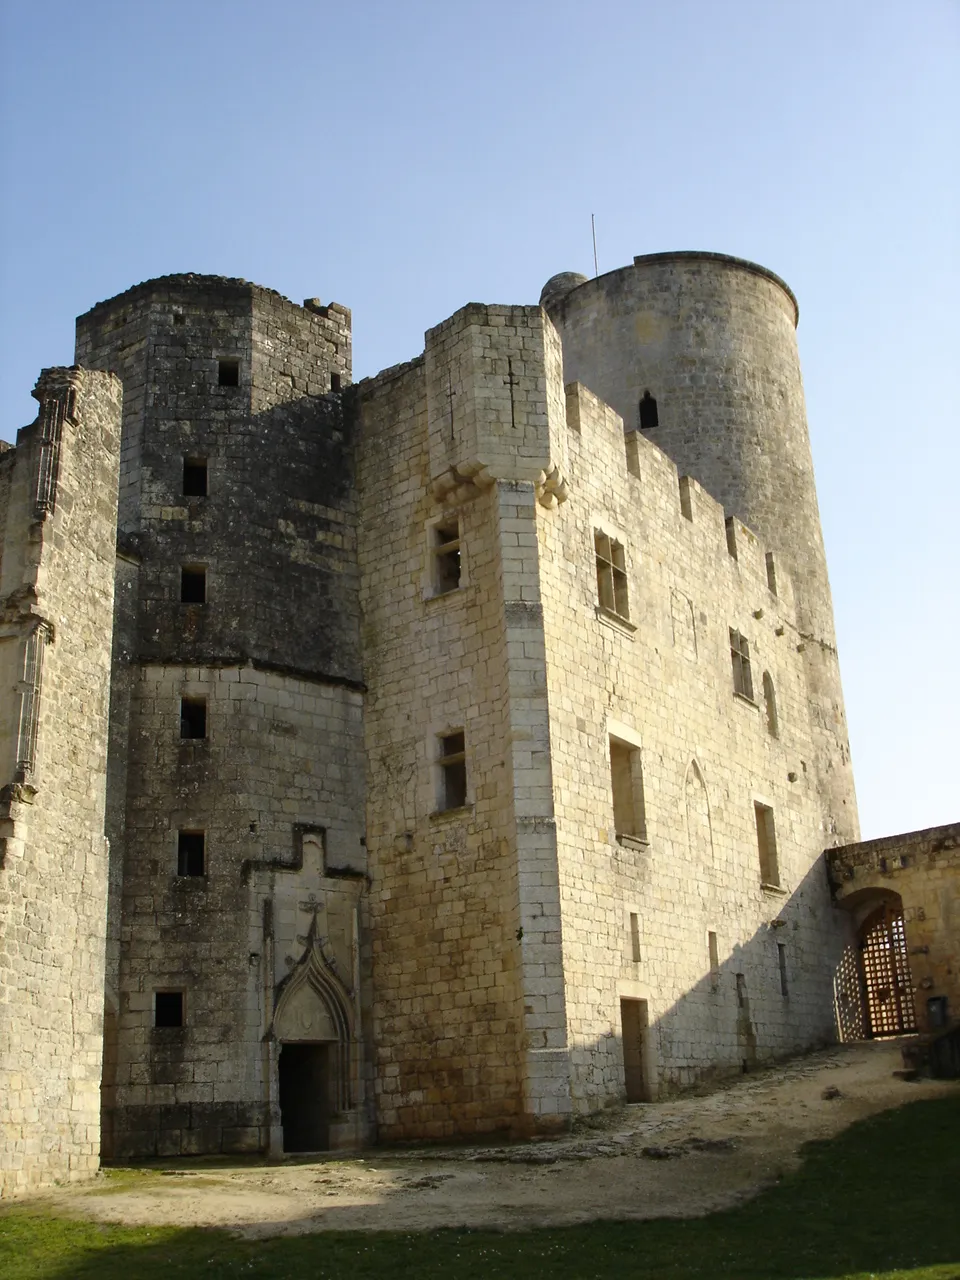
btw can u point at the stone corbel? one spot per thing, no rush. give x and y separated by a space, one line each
461 482
551 488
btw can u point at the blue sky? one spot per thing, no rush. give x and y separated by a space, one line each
405 158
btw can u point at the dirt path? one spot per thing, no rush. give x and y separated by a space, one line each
673 1159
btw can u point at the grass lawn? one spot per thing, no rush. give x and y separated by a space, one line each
882 1201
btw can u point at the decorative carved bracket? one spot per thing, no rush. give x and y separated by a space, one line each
468 479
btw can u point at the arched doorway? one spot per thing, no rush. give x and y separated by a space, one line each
885 965
312 1027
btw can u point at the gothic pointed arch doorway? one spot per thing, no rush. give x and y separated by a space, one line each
312 1028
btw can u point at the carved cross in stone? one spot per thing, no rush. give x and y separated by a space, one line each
511 382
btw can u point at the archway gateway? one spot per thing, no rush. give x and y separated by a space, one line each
886 971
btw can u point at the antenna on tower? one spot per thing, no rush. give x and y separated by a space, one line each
593 228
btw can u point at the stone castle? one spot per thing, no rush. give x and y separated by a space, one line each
448 754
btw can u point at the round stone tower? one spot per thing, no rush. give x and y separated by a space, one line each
708 343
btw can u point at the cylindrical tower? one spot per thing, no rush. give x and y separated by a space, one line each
699 351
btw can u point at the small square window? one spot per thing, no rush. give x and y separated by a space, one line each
336 382
228 373
611 575
195 477
193 717
168 1008
447 566
452 761
193 584
740 658
191 853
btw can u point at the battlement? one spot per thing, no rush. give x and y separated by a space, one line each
224 288
659 488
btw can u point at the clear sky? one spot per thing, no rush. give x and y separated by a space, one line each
405 158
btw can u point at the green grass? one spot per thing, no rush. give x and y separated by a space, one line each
881 1201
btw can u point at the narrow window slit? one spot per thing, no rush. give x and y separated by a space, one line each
193 717
191 853
193 584
767 845
648 412
447 565
452 761
195 477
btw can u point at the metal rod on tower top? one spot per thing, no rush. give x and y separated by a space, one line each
593 228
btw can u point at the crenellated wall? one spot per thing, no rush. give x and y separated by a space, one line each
661 681
439 797
713 340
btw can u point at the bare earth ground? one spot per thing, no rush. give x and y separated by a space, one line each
673 1159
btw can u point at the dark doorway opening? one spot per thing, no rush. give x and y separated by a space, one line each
305 1096
633 1027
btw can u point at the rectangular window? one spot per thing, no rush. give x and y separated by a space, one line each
228 373
335 382
740 657
193 584
191 849
445 538
193 717
634 937
782 962
611 575
194 477
168 1008
767 846
626 776
452 761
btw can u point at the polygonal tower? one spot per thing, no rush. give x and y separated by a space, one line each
235 775
699 352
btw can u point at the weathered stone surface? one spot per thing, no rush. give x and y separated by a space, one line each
58 521
445 680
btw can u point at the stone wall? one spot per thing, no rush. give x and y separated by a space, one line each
713 340
529 877
923 869
58 525
466 978
638 912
